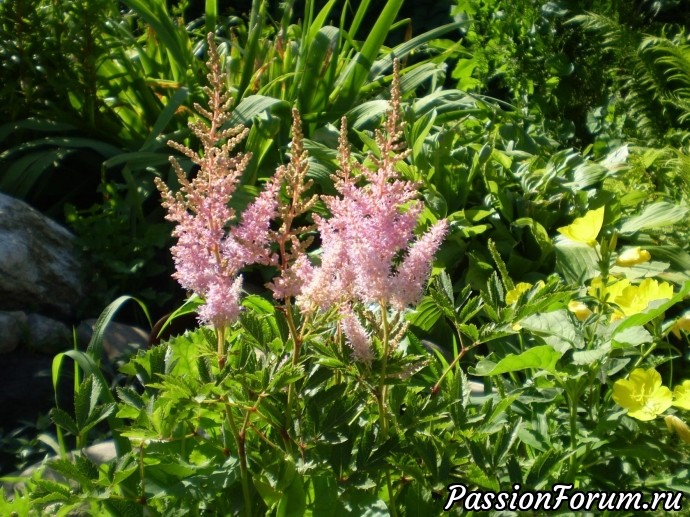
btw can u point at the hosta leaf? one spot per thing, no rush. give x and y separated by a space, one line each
655 215
253 106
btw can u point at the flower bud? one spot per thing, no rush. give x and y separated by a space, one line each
632 257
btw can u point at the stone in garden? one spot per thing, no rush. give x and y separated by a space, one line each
39 267
47 336
13 327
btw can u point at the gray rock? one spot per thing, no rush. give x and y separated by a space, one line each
13 329
39 268
119 340
48 336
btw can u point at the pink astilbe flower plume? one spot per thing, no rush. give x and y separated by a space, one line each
291 260
208 256
371 228
356 335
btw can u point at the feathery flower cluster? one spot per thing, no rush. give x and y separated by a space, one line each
356 335
366 251
291 258
208 256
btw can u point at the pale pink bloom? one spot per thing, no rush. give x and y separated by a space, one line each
356 335
208 258
412 274
290 282
210 252
253 232
222 302
365 240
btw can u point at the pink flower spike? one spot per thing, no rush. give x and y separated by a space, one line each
222 305
253 231
412 274
357 337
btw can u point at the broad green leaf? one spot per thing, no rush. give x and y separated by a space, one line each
501 407
655 215
349 83
588 357
138 159
557 329
254 105
425 315
293 501
167 114
211 12
542 357
577 262
632 336
365 504
95 347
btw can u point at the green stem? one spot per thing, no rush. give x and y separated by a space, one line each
381 397
573 396
382 391
242 454
220 334
296 348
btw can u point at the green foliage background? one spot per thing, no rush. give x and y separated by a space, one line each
520 117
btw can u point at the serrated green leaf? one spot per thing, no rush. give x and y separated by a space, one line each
130 397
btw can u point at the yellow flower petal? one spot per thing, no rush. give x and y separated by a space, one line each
635 299
633 256
513 295
681 395
607 291
642 394
581 311
586 228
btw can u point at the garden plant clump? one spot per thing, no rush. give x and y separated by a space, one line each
410 299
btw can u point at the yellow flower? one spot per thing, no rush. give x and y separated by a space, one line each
682 323
635 299
586 228
513 295
642 394
633 256
581 311
606 291
681 395
681 428
630 299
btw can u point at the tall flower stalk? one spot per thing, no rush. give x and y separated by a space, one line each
213 243
369 254
372 265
